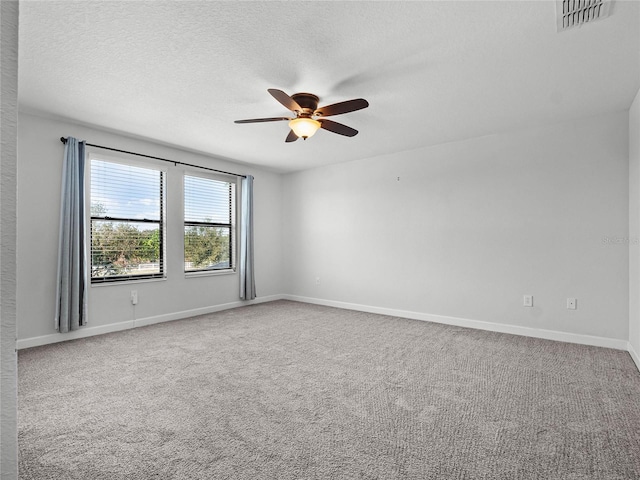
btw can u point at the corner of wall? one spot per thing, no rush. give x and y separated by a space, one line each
9 16
634 228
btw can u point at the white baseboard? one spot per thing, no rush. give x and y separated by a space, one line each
634 355
167 317
457 321
82 333
140 322
477 324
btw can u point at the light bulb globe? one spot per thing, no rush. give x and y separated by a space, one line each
304 127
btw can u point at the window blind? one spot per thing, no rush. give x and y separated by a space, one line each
208 224
127 221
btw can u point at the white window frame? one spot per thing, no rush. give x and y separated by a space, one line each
233 228
124 159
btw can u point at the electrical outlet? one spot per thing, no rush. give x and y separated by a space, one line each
317 280
572 303
134 297
527 301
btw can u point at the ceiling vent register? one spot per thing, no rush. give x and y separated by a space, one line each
574 13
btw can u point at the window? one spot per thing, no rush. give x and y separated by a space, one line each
127 222
209 213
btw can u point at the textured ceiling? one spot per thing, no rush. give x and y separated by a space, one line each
181 72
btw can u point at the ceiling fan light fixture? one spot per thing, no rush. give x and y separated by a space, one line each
309 118
304 127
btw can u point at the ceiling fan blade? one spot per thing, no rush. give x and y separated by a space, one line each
342 107
292 137
336 127
285 99
258 120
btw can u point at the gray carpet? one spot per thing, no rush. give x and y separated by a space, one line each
286 390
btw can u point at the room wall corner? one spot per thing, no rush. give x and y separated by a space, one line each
8 209
634 228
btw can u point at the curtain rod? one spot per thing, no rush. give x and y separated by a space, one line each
175 162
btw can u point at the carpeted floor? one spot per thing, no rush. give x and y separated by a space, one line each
286 390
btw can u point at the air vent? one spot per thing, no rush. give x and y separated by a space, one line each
574 13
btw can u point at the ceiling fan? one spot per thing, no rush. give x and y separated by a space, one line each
309 118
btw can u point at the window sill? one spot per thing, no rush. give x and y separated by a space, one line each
212 273
128 282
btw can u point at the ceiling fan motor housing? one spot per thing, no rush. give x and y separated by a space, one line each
308 102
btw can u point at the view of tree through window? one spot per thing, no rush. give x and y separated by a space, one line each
126 222
208 227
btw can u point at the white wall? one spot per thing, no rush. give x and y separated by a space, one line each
634 229
40 155
8 162
461 230
466 229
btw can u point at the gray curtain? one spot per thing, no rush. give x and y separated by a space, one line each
245 263
71 293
